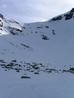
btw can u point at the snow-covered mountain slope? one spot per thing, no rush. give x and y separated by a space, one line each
47 42
40 53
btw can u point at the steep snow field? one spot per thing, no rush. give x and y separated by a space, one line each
37 59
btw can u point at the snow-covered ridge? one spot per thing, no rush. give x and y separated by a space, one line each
66 16
5 24
12 26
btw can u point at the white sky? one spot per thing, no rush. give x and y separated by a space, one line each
34 10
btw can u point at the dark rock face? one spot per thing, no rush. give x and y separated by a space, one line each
44 37
56 18
68 16
1 16
72 11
